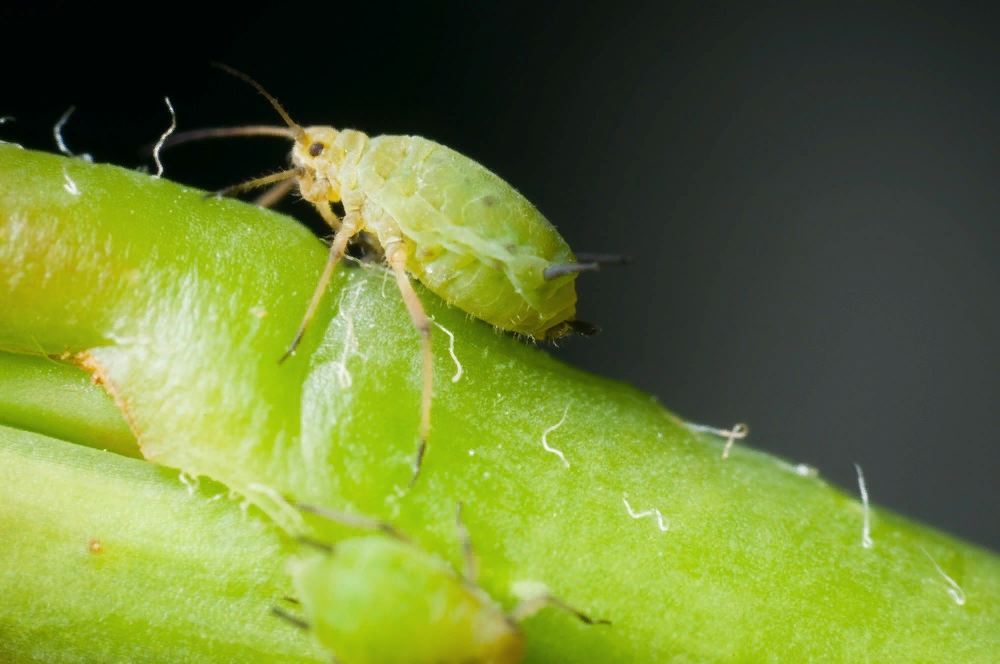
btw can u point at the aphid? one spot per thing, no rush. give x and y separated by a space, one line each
432 213
381 600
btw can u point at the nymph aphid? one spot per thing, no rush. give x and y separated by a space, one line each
434 214
381 600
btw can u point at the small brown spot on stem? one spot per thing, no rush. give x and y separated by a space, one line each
95 546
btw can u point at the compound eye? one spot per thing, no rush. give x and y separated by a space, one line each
316 149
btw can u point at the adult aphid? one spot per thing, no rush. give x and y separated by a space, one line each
381 600
435 214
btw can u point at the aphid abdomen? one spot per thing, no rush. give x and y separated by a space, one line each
484 291
474 240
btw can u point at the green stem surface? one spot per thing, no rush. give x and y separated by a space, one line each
110 559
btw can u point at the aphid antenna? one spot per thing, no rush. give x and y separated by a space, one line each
297 132
224 132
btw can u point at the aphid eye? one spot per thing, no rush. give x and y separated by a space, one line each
316 149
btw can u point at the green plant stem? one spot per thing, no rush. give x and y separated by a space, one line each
56 399
111 559
182 307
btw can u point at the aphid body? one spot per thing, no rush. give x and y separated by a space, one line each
378 600
468 236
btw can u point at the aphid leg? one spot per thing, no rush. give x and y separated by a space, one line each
331 219
470 564
290 174
349 227
325 547
529 607
354 520
275 193
298 622
396 255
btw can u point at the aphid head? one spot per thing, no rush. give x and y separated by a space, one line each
317 149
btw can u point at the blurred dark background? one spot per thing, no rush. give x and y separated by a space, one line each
810 195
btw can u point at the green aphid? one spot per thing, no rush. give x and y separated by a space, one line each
381 600
432 213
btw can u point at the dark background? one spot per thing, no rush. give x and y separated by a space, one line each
810 195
